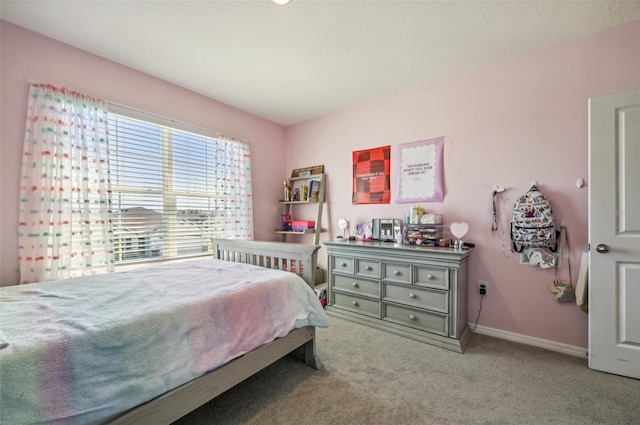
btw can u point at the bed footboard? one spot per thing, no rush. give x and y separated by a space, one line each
298 258
171 406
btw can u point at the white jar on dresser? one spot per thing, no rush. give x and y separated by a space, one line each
413 291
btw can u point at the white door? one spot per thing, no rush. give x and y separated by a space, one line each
614 233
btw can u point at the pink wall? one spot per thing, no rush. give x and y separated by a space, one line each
26 55
507 124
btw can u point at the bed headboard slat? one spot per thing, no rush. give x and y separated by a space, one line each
298 258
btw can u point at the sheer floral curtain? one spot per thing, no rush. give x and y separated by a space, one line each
234 183
65 196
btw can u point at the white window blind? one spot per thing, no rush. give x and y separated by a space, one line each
175 188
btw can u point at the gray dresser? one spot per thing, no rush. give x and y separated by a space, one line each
413 291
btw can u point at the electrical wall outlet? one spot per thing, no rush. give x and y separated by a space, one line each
482 287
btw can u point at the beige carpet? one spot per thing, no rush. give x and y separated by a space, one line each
374 377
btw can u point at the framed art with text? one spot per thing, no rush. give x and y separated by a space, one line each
372 176
419 166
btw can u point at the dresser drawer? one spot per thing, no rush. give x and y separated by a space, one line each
399 273
357 304
431 299
368 268
431 322
356 285
431 277
343 264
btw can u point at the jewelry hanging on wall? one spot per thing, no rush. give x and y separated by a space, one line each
494 207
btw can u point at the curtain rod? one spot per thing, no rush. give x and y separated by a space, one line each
183 124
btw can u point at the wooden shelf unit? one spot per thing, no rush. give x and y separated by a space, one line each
288 208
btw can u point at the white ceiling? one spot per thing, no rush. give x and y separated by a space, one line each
292 63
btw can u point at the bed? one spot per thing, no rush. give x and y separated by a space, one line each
151 344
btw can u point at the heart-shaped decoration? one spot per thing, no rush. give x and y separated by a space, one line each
459 229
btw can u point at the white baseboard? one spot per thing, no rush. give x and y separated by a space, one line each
529 340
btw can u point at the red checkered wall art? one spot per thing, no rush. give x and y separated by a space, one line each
372 176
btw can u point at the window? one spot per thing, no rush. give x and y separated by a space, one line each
174 187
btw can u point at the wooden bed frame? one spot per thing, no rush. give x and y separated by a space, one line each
178 402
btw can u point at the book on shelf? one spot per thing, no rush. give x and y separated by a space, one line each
285 222
314 190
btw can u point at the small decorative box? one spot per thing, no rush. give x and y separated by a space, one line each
300 225
431 219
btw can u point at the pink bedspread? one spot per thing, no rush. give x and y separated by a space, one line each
84 349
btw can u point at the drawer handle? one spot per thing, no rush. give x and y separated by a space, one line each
368 268
412 317
412 295
429 276
355 303
397 272
343 264
354 284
